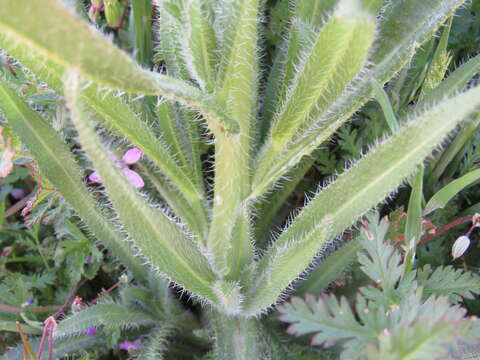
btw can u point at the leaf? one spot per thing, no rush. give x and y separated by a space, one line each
383 169
437 325
455 283
281 264
199 45
237 91
61 348
334 58
413 227
381 262
331 319
384 101
97 58
141 20
117 114
405 26
331 268
454 83
107 315
157 237
56 162
442 197
156 344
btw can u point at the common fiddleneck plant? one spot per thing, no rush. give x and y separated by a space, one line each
264 123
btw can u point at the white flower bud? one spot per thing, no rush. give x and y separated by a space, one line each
460 246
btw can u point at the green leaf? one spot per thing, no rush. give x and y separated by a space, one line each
282 263
97 58
141 21
108 315
442 197
56 162
238 93
122 119
454 83
383 169
455 283
413 227
330 269
157 237
384 101
327 316
335 57
61 348
199 45
405 26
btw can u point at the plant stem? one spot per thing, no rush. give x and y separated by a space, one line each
444 229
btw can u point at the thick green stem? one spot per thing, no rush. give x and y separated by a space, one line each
237 338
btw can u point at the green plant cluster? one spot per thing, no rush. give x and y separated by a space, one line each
226 112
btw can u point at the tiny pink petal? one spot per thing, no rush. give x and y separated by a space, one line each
134 178
132 156
95 177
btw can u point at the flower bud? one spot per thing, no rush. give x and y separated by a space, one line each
460 246
96 7
113 12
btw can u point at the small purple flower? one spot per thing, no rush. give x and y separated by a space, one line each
27 303
129 345
91 331
89 260
130 157
17 194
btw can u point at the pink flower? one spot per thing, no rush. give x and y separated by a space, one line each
130 157
129 345
91 331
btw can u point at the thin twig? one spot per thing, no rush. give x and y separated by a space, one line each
5 307
114 286
70 299
444 229
17 206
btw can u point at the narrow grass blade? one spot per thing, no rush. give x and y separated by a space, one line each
413 227
454 83
387 108
442 197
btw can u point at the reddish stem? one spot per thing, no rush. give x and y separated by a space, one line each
5 307
106 292
445 228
